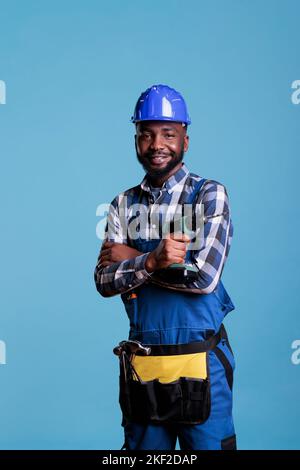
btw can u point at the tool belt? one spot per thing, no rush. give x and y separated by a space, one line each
166 383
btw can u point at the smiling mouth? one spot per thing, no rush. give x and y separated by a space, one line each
158 159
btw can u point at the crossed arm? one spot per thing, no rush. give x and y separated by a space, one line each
112 252
120 268
121 259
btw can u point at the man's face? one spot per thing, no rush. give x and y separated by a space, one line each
160 146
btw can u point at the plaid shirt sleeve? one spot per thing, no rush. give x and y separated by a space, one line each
125 275
218 231
215 241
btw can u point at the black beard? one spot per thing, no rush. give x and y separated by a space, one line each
176 158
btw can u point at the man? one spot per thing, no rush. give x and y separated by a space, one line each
176 380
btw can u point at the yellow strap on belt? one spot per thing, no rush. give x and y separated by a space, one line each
170 368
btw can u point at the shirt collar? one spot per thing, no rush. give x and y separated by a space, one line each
173 183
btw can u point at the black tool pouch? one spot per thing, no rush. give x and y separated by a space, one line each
171 388
185 401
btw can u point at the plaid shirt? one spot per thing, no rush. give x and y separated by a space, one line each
209 259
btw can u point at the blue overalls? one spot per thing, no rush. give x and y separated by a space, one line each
162 316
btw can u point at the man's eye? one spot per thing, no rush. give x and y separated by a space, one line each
170 135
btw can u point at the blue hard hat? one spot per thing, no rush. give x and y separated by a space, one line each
161 103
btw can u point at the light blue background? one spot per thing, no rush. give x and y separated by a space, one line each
73 72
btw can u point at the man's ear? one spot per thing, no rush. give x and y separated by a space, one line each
186 143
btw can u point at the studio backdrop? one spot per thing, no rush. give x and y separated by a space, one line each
70 75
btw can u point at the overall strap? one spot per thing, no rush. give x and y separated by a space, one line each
137 194
192 199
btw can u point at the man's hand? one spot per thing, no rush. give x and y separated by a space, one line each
115 252
170 250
